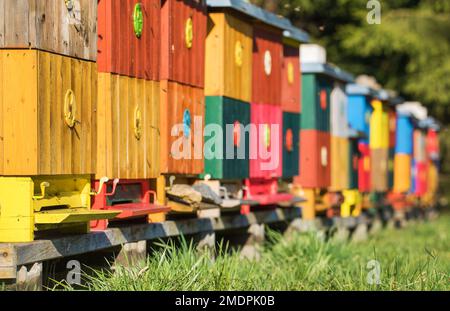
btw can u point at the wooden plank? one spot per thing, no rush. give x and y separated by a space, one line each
43 250
8 261
2 23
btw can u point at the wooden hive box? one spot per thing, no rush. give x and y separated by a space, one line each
404 135
364 166
267 65
182 115
392 127
402 173
128 127
291 79
419 146
379 169
229 48
183 34
266 142
359 112
59 26
49 126
339 126
316 91
291 144
315 159
225 111
379 126
339 163
129 37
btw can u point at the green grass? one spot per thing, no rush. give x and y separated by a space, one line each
414 258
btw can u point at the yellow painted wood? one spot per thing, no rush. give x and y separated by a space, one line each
29 202
379 126
37 140
71 215
430 197
228 58
340 150
352 205
402 173
128 141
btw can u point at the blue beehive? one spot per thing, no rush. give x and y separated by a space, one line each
404 135
360 109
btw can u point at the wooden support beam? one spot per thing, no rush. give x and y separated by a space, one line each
132 253
252 247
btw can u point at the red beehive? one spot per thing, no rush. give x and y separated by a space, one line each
265 141
129 38
392 127
183 36
421 178
315 159
290 77
364 168
267 60
432 144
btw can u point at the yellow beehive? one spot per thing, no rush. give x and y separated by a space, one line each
379 126
429 199
228 59
402 173
340 178
128 142
47 120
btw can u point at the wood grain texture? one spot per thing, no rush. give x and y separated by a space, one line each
225 74
291 79
178 62
36 139
266 87
175 100
120 154
50 26
339 163
263 148
120 51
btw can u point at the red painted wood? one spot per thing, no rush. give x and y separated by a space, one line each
265 192
120 51
262 116
142 206
290 90
421 178
364 167
432 144
315 159
392 128
178 62
266 88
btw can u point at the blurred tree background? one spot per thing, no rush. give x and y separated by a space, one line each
409 52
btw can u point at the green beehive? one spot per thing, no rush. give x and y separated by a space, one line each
353 165
316 90
291 144
225 111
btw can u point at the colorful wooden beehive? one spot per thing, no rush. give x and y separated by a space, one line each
228 157
129 38
318 80
128 119
48 129
290 99
359 115
60 26
182 72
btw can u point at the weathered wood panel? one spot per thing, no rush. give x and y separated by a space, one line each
183 34
229 47
339 163
37 137
182 122
123 48
128 121
51 26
